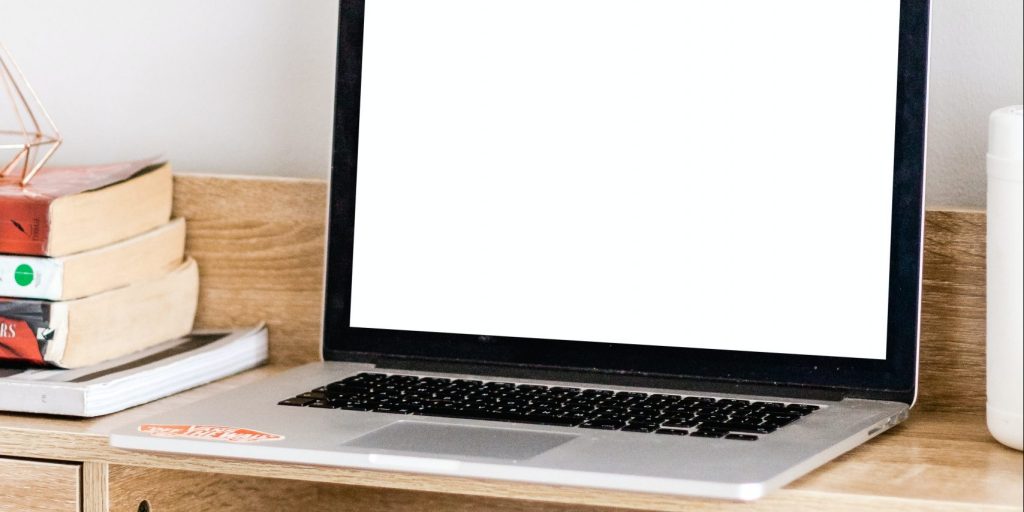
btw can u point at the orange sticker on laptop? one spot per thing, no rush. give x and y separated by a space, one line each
210 433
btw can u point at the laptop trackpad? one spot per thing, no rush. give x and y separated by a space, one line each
430 438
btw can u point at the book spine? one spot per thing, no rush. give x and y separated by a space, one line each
24 224
30 277
41 398
25 330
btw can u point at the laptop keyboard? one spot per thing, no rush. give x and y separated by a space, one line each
605 409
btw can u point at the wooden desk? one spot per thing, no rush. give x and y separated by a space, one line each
259 244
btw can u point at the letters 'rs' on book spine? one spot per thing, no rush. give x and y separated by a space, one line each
27 331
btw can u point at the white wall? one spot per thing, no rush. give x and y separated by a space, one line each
219 86
976 66
246 86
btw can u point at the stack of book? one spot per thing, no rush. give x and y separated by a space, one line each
92 267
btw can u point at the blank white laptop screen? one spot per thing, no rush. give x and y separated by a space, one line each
686 173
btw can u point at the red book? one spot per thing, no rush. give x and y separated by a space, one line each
65 210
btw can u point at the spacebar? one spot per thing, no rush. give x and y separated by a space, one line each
517 418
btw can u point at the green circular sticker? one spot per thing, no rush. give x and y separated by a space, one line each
23 275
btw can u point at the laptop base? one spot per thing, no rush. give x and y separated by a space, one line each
248 423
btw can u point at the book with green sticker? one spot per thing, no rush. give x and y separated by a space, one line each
151 254
86 331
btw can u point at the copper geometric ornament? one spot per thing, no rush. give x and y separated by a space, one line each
30 143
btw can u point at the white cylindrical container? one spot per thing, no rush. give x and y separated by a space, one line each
1005 276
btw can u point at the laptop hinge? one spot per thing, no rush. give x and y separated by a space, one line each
611 378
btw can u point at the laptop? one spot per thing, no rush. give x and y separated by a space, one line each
662 246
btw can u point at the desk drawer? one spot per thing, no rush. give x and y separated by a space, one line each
34 486
168 490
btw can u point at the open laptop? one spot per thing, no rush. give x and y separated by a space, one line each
665 246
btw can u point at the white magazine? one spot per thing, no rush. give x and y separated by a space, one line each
144 376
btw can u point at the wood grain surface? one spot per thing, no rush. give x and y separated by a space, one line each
95 487
260 248
186 491
259 243
36 486
952 365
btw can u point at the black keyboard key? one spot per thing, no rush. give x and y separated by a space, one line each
342 388
322 404
354 406
541 419
708 433
667 398
298 401
672 431
603 424
780 421
564 390
680 424
737 427
639 428
741 437
698 400
802 410
725 401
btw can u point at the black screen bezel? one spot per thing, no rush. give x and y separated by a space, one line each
892 378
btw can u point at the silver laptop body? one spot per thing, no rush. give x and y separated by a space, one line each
857 392
718 468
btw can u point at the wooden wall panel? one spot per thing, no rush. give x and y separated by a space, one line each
952 371
259 244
